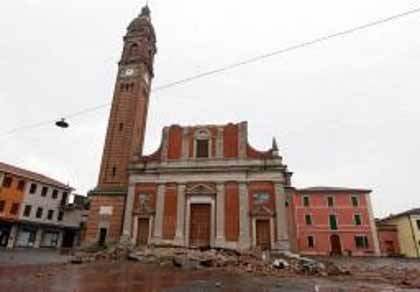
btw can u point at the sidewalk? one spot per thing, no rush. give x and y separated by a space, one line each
19 257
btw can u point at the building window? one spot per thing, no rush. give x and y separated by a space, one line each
418 224
33 188
39 212
7 182
361 241
60 216
311 241
134 50
121 126
55 194
2 205
27 211
306 202
202 148
330 201
64 199
333 222
308 219
355 201
21 185
44 191
202 144
15 209
114 171
50 214
358 219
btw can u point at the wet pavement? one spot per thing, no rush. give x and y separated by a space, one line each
129 277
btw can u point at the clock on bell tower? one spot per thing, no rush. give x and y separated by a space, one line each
127 121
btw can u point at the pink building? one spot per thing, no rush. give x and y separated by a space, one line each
333 221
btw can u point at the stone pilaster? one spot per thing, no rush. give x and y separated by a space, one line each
281 217
38 237
180 216
244 237
243 139
128 214
165 143
219 143
185 143
60 239
220 215
160 205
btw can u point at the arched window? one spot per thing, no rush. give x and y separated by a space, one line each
202 144
134 50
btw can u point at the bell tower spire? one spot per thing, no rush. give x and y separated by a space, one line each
127 122
126 130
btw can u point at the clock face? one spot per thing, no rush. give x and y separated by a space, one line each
128 72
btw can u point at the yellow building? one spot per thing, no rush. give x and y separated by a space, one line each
408 224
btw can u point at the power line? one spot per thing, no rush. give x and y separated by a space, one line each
236 65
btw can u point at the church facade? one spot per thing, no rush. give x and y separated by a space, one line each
205 187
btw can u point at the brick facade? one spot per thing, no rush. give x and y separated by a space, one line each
112 222
239 191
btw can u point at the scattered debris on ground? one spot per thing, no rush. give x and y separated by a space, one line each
281 264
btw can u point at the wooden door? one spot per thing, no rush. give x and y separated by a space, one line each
335 244
200 225
143 232
263 234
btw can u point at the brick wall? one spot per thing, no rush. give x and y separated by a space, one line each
175 142
232 211
170 210
230 141
113 221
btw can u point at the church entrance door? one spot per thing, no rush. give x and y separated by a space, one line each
200 225
263 234
143 232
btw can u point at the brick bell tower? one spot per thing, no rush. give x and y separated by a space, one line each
126 129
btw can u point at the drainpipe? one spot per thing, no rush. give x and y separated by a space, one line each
414 236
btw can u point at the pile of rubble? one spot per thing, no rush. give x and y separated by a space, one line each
284 264
114 253
257 262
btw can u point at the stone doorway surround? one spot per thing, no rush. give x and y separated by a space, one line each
262 213
200 194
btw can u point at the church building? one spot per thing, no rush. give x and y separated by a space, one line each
205 187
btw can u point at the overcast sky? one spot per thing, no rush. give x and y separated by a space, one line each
345 112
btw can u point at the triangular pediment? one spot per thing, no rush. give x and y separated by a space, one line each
201 189
262 211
